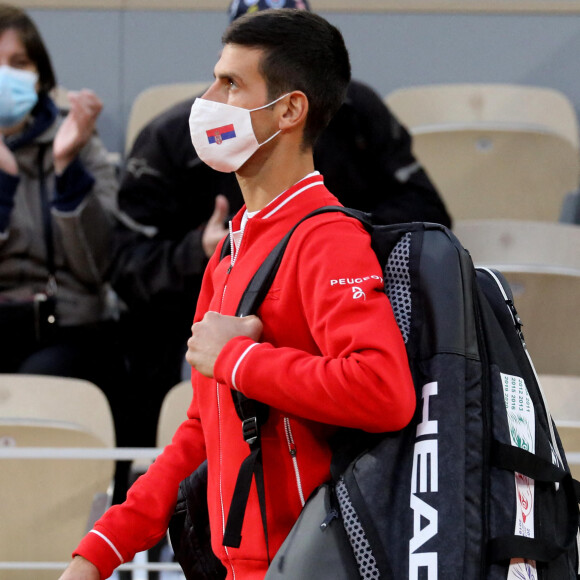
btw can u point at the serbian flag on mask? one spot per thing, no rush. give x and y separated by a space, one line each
220 134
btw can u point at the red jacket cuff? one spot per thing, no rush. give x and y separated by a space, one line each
98 549
231 361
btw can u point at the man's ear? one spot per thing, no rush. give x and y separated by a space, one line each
295 113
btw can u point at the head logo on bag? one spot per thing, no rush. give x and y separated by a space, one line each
424 479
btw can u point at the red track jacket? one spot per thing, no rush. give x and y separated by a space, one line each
331 355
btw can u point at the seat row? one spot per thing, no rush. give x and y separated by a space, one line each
57 450
493 150
58 455
503 158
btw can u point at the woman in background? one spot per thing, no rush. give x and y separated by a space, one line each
57 208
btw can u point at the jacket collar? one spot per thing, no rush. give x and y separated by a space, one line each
312 180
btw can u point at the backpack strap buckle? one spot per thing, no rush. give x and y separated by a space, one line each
250 430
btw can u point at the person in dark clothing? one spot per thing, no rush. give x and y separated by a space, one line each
175 206
366 156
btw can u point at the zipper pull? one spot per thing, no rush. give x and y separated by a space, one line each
517 320
332 515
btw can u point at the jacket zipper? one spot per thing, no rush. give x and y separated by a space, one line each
234 253
292 451
220 476
219 410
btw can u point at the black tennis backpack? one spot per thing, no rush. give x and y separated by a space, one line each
476 487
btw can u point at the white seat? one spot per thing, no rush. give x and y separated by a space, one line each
59 399
47 503
153 101
547 304
563 395
494 151
541 262
173 411
518 244
485 105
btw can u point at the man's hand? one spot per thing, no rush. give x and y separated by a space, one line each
81 569
211 334
215 229
77 128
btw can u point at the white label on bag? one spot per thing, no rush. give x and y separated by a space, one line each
522 427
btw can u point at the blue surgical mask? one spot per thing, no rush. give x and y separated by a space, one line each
17 95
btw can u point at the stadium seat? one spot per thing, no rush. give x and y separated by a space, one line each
173 411
493 150
49 503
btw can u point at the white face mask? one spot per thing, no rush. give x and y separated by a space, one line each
223 135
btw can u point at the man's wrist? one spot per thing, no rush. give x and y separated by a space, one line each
81 569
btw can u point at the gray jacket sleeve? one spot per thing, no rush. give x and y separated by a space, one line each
86 229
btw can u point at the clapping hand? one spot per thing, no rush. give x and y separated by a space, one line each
77 128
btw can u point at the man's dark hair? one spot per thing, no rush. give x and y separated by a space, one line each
303 52
13 18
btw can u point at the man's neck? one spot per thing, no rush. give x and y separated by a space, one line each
262 182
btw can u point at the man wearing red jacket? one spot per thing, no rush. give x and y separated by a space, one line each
324 350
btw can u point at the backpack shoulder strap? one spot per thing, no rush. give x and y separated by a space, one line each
264 276
253 413
365 218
